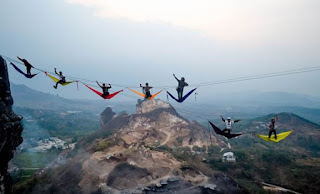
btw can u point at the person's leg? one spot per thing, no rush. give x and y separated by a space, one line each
270 132
59 82
147 95
275 134
181 93
29 70
56 86
105 94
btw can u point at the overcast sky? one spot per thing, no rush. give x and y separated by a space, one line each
136 41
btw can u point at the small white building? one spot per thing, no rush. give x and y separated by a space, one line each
228 157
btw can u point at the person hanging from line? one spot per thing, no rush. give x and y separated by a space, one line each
272 127
229 123
146 90
105 89
27 64
181 85
62 78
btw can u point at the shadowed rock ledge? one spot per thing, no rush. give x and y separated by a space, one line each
10 129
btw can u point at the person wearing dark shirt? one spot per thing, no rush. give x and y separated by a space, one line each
181 85
146 90
62 78
27 64
272 127
105 89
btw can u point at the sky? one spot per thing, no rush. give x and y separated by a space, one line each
126 42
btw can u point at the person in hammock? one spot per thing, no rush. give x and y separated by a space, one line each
146 90
105 89
181 85
62 78
27 64
229 123
272 127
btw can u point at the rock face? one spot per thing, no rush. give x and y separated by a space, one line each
106 116
156 123
130 161
139 156
10 129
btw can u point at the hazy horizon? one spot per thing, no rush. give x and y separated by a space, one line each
204 41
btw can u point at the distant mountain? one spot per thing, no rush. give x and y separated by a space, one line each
312 114
29 98
305 136
244 111
40 124
290 119
255 98
244 104
292 163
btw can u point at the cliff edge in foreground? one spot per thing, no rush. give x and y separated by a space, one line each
10 129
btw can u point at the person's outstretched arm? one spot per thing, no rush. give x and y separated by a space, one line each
55 70
222 118
25 61
186 84
109 86
237 120
20 59
175 77
99 84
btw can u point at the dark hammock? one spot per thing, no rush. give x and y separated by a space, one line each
25 74
183 98
220 132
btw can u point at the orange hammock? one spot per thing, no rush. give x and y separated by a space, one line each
143 95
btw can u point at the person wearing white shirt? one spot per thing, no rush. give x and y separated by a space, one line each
229 123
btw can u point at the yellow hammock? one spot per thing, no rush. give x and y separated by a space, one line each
56 79
280 136
143 95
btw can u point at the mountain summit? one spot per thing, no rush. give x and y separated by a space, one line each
137 157
156 123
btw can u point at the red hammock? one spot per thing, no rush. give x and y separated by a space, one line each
100 94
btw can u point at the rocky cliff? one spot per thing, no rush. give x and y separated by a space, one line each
150 151
106 116
10 128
